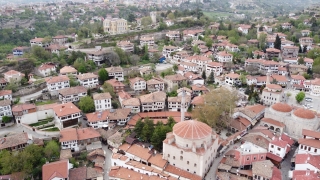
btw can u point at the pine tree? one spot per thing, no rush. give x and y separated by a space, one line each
211 77
204 76
277 43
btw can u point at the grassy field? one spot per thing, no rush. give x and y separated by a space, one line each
38 103
216 14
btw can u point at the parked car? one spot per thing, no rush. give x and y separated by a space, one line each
308 99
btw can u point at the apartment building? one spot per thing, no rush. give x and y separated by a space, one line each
126 46
155 84
102 101
153 102
115 26
107 119
66 115
117 85
56 83
72 94
88 80
200 61
47 69
115 72
138 84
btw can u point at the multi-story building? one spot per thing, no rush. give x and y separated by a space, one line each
15 142
115 26
153 102
3 83
285 43
47 69
224 57
77 139
192 34
175 103
232 48
97 56
189 66
138 84
145 40
244 28
310 143
5 108
305 32
66 115
265 170
117 85
183 145
102 101
315 87
168 50
215 68
305 41
297 69
297 79
200 61
173 35
5 94
88 80
72 94
272 94
290 51
13 76
56 170
155 84
126 46
272 53
68 70
21 109
60 39
132 103
19 51
108 118
286 25
232 79
116 73
39 42
56 83
308 62
176 80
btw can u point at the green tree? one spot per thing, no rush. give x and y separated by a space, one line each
196 50
103 75
170 16
138 127
6 119
211 77
52 150
122 55
107 87
204 76
208 41
73 82
131 17
146 21
159 135
300 96
86 104
300 60
147 130
277 43
175 67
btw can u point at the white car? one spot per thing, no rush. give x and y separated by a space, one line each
308 99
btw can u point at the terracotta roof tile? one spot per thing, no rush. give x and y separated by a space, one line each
282 107
55 79
22 107
192 129
87 76
158 96
55 169
66 109
314 134
14 140
310 142
182 173
101 96
78 173
68 69
73 90
274 122
304 113
263 168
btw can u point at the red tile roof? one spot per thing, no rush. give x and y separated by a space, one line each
182 173
304 113
192 129
314 134
66 109
274 122
282 107
57 169
313 160
56 79
21 107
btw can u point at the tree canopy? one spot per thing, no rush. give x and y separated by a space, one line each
300 96
86 104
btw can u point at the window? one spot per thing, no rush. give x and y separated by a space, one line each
174 157
309 148
279 149
254 158
248 158
186 145
181 158
195 165
181 152
188 170
315 150
261 157
305 147
168 155
271 146
187 162
301 147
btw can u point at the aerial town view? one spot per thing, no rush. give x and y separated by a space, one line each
160 90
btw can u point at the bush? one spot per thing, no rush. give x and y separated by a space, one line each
6 119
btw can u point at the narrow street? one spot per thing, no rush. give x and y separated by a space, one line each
107 163
18 129
23 99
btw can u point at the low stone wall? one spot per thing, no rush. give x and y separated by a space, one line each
46 133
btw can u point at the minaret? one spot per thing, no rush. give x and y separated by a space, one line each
268 77
183 104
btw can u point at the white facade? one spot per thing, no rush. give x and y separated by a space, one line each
34 117
138 84
72 144
48 71
277 150
88 80
56 83
116 73
71 97
214 67
102 104
224 57
5 108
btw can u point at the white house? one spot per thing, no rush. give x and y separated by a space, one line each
133 104
66 115
115 72
47 69
169 23
38 42
224 57
175 103
5 108
6 94
310 142
315 87
102 101
232 79
308 62
172 35
153 102
278 147
138 84
244 28
56 83
88 80
167 50
108 118
72 94
214 67
307 162
297 79
145 40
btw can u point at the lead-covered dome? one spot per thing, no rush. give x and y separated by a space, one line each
192 130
